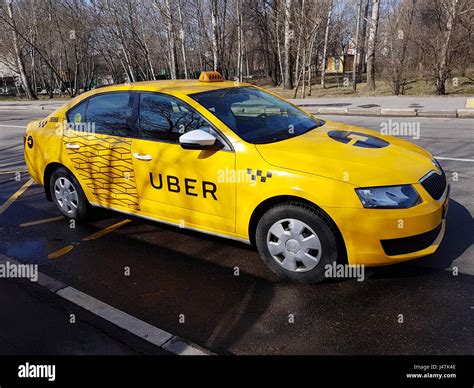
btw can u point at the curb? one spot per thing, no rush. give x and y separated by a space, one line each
398 112
370 112
466 113
154 335
443 113
391 112
364 112
29 107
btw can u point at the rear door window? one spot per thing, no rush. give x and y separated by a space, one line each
110 113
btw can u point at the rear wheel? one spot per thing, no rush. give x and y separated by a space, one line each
297 241
68 195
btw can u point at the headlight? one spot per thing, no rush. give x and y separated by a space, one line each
389 197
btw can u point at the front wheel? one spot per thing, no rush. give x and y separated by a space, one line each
68 195
297 242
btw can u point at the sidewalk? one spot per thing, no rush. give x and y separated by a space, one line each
49 105
397 106
436 106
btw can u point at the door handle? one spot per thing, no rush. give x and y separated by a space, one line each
71 146
142 157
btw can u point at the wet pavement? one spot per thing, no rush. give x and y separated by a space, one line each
186 283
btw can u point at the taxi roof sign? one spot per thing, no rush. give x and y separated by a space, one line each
211 76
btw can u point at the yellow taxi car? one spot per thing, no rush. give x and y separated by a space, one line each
236 161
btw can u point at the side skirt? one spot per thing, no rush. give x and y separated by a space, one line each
245 241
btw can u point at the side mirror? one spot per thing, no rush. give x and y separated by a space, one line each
199 140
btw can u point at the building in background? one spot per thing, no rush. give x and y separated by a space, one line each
9 80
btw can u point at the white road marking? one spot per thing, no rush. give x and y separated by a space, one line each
177 346
454 159
11 126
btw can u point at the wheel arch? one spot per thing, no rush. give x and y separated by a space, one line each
48 171
267 204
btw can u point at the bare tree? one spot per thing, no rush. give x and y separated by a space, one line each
182 38
397 37
325 48
215 35
167 13
288 34
240 42
68 46
356 47
371 45
18 54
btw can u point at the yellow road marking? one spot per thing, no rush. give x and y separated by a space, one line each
60 252
470 103
39 222
15 196
107 230
100 233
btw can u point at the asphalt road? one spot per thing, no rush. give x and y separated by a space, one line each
184 282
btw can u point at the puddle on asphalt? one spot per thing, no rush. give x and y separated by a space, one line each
367 106
27 251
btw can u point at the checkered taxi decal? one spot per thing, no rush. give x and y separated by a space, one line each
259 173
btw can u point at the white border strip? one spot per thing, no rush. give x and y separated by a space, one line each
454 159
145 331
123 320
12 126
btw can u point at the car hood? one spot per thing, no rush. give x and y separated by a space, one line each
352 154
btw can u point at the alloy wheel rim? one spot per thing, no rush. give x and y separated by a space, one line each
294 245
66 195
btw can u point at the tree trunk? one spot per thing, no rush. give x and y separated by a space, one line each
361 66
371 45
287 80
214 35
325 47
183 40
310 57
171 42
277 34
300 39
356 47
443 70
30 94
239 41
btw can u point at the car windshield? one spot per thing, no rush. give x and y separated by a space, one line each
256 116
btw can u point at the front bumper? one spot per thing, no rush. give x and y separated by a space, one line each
387 236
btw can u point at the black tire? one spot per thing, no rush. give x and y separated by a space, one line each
318 222
83 208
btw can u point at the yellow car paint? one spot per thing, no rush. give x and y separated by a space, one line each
312 167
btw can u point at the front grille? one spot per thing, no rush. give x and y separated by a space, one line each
400 246
434 184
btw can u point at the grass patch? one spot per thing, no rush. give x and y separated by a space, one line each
465 87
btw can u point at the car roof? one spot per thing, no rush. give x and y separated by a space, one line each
186 87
